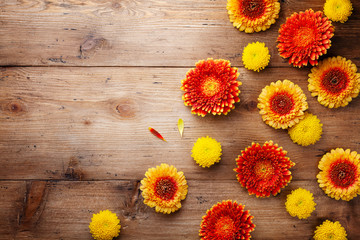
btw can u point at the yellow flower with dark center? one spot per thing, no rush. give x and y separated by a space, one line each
253 15
339 174
163 188
255 56
104 225
300 203
282 104
330 231
206 151
307 131
335 82
338 10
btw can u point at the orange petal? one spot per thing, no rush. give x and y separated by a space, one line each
156 133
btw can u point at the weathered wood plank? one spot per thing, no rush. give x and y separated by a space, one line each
141 32
68 208
92 123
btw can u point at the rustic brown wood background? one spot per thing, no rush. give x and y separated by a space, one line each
82 80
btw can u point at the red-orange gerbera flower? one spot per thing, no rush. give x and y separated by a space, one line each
304 37
211 87
263 170
226 220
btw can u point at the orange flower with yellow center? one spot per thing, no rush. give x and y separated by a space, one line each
253 15
304 37
226 220
163 188
211 87
339 174
335 82
263 170
282 104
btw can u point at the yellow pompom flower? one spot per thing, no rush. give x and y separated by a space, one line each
163 188
338 10
104 225
206 151
330 231
308 131
300 203
255 56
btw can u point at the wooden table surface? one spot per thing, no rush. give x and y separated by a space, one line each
82 80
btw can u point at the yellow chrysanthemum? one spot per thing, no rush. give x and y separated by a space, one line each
253 15
104 225
330 231
255 56
338 10
307 131
300 203
206 151
282 104
335 82
339 174
163 188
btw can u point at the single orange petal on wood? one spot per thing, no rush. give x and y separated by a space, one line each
156 133
181 126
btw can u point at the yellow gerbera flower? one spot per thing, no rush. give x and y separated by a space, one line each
253 15
335 82
338 10
104 225
339 174
300 203
206 151
307 131
256 56
282 104
330 231
163 188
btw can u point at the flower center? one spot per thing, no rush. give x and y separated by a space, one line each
253 9
225 228
335 80
281 104
264 169
304 36
165 188
342 174
210 86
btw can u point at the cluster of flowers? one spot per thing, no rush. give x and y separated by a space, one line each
212 87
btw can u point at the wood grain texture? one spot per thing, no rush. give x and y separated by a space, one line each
70 205
141 32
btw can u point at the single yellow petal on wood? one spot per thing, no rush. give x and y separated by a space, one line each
181 126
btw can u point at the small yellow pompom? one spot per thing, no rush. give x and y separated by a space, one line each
330 230
338 10
307 131
104 225
300 203
206 151
255 56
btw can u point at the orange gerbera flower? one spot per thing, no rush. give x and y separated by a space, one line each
335 82
304 37
253 15
339 175
263 170
163 188
282 104
226 220
211 87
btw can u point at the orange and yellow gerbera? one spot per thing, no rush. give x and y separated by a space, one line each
253 15
304 37
335 82
263 170
211 87
282 104
163 188
226 220
339 174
